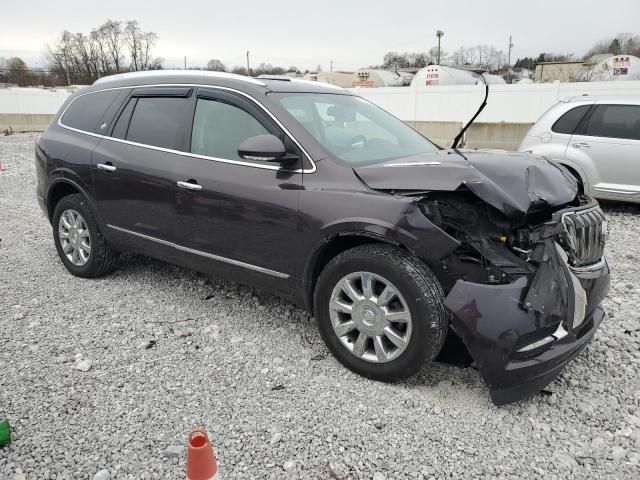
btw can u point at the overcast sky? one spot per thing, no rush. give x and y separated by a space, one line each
307 33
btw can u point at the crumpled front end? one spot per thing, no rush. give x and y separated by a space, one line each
535 313
519 349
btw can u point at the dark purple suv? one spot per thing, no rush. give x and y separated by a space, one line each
311 192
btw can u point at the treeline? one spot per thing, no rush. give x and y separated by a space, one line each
112 47
216 65
621 44
482 56
82 58
117 46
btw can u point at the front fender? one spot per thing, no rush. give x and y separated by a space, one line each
410 229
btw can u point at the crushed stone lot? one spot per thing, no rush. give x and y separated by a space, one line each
105 378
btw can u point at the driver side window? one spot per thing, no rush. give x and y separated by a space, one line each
219 128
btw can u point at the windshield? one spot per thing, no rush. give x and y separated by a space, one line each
354 130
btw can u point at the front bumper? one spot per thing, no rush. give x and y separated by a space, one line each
492 320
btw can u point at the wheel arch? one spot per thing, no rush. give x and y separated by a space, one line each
62 187
328 249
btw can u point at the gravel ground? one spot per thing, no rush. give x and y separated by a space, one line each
105 378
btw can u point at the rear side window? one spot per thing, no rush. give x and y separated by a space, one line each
158 121
615 121
568 122
219 128
85 112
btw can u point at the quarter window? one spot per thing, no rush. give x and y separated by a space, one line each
85 111
568 122
219 128
615 121
158 121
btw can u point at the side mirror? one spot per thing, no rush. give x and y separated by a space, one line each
264 148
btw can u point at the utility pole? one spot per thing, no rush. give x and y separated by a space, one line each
331 68
439 34
248 75
185 63
509 61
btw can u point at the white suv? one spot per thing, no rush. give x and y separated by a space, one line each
597 139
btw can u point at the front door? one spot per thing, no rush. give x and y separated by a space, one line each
242 214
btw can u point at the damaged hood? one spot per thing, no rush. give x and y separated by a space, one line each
511 182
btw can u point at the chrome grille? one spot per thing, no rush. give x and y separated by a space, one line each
586 232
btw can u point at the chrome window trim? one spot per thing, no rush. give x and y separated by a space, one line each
189 154
182 248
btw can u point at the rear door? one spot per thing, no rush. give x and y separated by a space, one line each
610 138
242 213
134 170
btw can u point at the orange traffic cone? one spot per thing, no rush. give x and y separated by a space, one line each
201 461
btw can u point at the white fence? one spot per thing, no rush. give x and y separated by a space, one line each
457 103
32 100
437 111
507 103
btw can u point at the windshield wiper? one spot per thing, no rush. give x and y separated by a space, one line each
484 104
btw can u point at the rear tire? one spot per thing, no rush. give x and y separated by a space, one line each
81 246
392 349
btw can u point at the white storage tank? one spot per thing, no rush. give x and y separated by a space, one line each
441 75
337 78
366 77
618 67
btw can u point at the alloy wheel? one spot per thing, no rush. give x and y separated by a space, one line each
75 238
370 317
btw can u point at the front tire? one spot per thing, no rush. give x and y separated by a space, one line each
380 311
81 246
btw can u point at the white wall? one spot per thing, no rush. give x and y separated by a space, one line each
507 103
32 100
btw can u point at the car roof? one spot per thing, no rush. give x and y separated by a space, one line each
205 77
617 99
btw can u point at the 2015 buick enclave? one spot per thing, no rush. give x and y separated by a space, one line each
313 193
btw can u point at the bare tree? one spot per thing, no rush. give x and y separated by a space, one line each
239 70
61 55
102 57
16 71
216 65
395 60
112 31
621 44
81 58
139 44
268 69
483 56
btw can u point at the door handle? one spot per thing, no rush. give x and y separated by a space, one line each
190 185
107 167
581 145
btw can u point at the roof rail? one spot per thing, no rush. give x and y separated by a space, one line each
282 78
176 73
313 82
